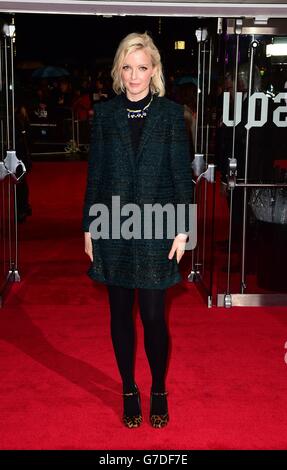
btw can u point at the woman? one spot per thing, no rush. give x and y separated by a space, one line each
22 147
187 96
140 153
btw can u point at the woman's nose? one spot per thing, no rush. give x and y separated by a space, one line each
134 73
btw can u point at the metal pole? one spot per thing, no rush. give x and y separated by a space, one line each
234 98
2 137
208 93
7 147
16 230
203 192
13 94
7 94
1 81
1 89
197 100
243 285
14 147
233 152
206 160
3 225
202 96
202 88
229 240
193 273
261 185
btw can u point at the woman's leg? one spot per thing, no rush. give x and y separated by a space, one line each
152 311
121 301
122 331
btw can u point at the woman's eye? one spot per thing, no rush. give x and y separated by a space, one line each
125 67
143 68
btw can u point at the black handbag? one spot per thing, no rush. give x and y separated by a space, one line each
269 204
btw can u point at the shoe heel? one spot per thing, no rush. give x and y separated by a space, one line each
133 421
158 420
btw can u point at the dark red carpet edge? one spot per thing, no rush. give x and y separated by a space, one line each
60 387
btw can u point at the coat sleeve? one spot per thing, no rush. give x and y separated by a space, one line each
180 162
94 168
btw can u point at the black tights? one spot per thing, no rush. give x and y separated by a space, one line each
152 312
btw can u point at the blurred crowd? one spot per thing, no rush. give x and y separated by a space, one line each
54 95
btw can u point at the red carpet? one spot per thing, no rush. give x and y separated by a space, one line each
60 387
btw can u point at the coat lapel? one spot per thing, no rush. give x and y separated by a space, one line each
151 119
122 124
154 113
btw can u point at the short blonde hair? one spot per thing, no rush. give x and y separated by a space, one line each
131 43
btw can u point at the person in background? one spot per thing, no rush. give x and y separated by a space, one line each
187 96
82 104
22 125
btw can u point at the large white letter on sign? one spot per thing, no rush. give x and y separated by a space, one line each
252 122
279 110
226 105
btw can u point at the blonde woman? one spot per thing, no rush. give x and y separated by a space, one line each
139 153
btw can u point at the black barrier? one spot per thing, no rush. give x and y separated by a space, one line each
133 459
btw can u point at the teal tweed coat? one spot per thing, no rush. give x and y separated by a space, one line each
159 172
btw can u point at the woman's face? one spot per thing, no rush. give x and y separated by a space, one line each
136 74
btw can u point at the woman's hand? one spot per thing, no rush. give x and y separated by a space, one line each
88 245
178 246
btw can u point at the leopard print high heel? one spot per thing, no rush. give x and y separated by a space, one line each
132 421
158 401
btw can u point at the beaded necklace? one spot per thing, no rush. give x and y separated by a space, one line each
139 113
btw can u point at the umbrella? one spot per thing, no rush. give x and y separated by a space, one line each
186 79
49 71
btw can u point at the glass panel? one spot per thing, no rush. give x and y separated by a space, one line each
8 255
203 168
258 143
